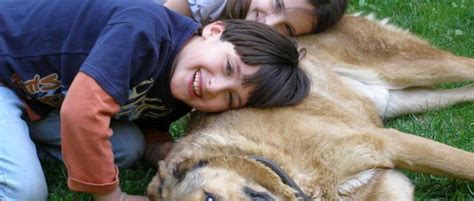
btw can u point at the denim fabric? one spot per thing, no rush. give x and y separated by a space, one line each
21 174
127 140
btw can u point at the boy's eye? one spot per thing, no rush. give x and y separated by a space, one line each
228 69
230 99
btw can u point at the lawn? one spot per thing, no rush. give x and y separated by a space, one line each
448 25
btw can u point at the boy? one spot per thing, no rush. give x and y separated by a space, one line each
123 60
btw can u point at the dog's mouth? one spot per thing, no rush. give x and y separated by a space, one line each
264 182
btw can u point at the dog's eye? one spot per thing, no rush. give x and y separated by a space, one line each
257 196
209 197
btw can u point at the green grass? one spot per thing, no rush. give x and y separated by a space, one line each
448 25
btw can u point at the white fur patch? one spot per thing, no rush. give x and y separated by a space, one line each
350 186
367 84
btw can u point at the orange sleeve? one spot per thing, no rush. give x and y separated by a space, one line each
87 151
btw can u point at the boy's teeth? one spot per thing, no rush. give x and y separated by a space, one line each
197 78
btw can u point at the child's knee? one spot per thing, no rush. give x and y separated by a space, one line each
24 185
129 155
128 143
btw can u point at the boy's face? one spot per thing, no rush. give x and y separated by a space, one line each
208 73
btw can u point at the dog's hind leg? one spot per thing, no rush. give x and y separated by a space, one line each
390 185
413 100
426 156
393 185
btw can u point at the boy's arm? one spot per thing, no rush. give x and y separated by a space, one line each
87 151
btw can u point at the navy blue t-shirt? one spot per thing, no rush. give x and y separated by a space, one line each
126 46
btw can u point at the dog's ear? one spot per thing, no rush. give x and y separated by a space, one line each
183 168
155 187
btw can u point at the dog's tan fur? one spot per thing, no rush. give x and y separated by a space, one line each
333 144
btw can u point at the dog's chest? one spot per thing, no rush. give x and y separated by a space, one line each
378 94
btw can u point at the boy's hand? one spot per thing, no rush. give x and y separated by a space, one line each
126 197
118 195
157 145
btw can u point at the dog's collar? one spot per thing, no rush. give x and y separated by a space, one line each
283 176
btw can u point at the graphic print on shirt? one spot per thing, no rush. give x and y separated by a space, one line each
46 89
141 106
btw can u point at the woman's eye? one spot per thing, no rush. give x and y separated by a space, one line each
209 197
289 30
278 5
228 69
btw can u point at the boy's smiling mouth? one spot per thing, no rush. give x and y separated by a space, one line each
196 84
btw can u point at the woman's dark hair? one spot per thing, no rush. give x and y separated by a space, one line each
236 9
327 12
279 81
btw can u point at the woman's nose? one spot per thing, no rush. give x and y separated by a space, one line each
274 19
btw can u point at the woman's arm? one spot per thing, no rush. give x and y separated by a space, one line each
180 6
201 11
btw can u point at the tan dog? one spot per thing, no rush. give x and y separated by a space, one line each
332 146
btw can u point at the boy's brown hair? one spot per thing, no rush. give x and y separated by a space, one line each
279 81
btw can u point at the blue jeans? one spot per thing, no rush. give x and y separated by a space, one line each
22 142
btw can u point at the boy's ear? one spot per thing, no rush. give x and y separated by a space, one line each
214 29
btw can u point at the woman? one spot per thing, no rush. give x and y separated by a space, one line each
289 17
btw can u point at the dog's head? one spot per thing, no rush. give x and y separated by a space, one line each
218 179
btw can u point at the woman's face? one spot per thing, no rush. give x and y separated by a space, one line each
289 17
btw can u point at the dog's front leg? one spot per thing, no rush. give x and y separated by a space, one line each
436 67
427 156
406 101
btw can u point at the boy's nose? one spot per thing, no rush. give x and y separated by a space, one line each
218 85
